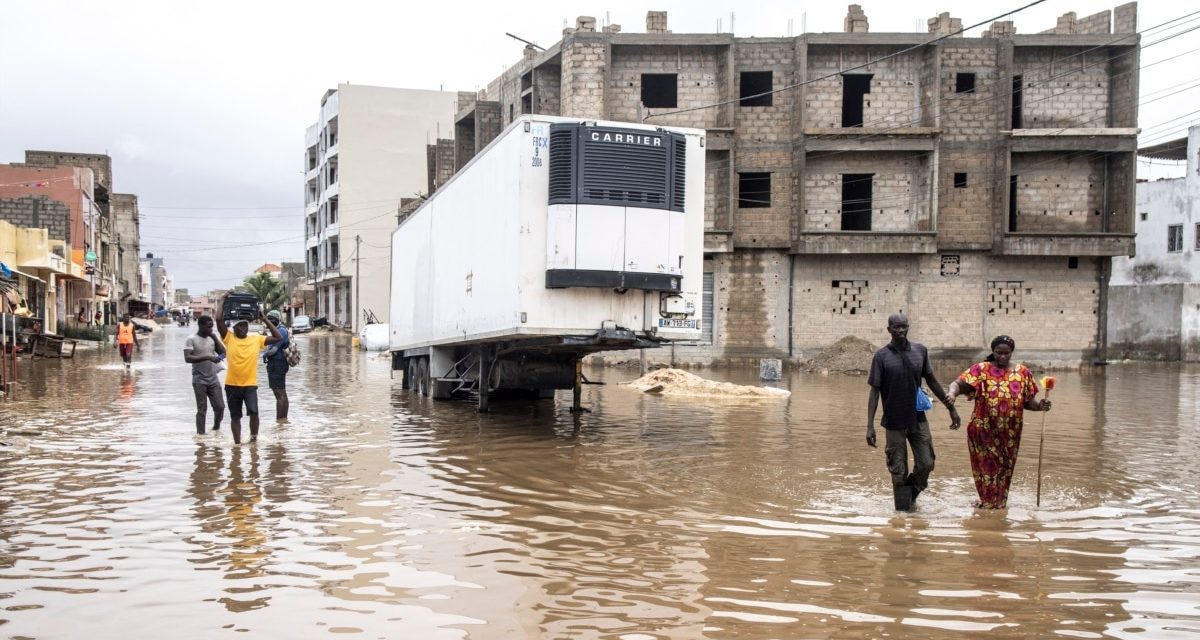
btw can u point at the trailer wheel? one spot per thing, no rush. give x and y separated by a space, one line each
410 373
422 378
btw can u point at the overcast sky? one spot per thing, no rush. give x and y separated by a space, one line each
203 105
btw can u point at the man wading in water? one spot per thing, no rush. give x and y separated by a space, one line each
896 372
241 375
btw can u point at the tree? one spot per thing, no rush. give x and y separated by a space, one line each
269 290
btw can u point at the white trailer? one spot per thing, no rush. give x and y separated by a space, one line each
561 238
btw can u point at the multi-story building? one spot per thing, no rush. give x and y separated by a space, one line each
157 285
59 199
978 184
127 229
365 154
1155 296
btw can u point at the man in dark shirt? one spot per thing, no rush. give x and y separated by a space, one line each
896 371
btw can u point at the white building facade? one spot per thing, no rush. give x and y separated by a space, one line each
365 153
1155 295
1168 227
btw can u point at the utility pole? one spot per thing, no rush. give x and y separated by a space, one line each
357 262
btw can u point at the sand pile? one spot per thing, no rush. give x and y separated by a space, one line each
673 382
849 355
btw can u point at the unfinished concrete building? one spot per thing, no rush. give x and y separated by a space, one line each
979 185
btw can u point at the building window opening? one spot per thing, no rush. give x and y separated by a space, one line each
755 83
1197 236
1012 204
1145 216
960 181
1175 238
707 316
334 262
333 211
855 87
964 83
1072 262
754 190
1017 100
856 201
510 113
527 103
660 90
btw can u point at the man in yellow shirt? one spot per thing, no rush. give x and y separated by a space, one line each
241 374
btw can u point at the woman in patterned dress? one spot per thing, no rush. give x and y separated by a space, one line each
1003 391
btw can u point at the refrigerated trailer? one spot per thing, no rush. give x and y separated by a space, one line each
563 237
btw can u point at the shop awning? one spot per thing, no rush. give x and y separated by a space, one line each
17 272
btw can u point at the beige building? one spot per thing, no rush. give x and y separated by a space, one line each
979 184
363 157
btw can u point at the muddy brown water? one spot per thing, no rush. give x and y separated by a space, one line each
378 514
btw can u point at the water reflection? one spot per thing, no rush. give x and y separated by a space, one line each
381 514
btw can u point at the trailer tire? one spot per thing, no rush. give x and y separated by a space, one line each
410 374
422 378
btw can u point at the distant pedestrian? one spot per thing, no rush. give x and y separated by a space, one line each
277 367
204 351
896 373
127 340
241 374
1003 392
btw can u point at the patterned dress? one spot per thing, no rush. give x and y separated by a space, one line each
994 431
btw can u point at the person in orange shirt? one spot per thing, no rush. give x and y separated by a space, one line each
127 340
241 374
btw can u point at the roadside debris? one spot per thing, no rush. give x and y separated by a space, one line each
674 382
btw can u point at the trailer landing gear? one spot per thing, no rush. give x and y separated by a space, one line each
577 390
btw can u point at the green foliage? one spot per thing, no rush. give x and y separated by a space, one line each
270 290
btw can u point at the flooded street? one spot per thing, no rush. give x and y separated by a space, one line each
379 514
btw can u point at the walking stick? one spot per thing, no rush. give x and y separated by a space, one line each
1047 384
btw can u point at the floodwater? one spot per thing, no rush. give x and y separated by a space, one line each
377 514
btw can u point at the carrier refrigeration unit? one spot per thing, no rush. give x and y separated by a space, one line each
563 237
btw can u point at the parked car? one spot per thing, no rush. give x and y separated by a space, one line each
302 324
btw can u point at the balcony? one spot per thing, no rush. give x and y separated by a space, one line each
311 208
1060 243
870 139
1104 139
873 242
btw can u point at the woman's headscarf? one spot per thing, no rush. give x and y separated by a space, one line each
999 340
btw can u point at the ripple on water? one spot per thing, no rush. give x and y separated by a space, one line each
379 514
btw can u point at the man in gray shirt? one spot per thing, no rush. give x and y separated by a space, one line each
204 351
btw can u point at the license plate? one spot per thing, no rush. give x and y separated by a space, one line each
675 323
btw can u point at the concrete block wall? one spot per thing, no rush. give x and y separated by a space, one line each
1063 86
973 117
1059 191
761 227
1095 23
717 169
900 189
584 58
1122 194
1125 18
1123 77
100 164
38 212
488 123
751 289
697 70
547 90
768 124
967 217
1055 317
464 143
895 97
